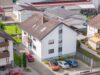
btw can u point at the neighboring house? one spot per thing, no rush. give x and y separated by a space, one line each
6 49
1 14
23 9
22 12
94 33
48 38
7 5
94 26
94 42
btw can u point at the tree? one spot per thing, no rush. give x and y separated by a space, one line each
24 62
2 25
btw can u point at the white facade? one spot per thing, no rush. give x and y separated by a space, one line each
8 60
22 15
96 3
68 38
91 30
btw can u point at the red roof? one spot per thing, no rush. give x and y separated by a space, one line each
1 11
60 3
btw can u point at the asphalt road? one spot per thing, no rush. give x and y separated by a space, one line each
40 68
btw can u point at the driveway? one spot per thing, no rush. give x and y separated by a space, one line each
40 68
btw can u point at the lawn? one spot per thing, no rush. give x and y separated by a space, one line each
14 31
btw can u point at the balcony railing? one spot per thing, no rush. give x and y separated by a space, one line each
4 54
4 44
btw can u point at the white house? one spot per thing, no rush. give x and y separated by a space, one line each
93 31
47 37
23 9
94 26
6 49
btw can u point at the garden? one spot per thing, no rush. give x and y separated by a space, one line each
14 31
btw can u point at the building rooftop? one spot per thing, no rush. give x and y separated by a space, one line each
60 12
95 22
39 25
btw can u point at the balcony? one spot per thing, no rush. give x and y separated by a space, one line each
4 54
4 44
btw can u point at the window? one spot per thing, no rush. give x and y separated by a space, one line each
51 51
34 47
60 31
98 30
60 41
60 49
25 33
51 42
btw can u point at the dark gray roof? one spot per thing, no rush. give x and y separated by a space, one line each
60 12
5 35
35 26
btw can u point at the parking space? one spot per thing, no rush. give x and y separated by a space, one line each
71 71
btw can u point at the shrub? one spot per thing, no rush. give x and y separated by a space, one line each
17 59
46 61
69 57
61 58
24 61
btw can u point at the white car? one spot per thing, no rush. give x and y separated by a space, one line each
63 64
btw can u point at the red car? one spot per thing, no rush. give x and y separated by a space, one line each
29 57
54 65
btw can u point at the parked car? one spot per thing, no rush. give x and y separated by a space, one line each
72 62
54 65
30 58
63 64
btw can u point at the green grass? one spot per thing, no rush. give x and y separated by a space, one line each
14 30
88 54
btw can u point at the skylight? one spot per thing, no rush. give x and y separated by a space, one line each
34 26
43 29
